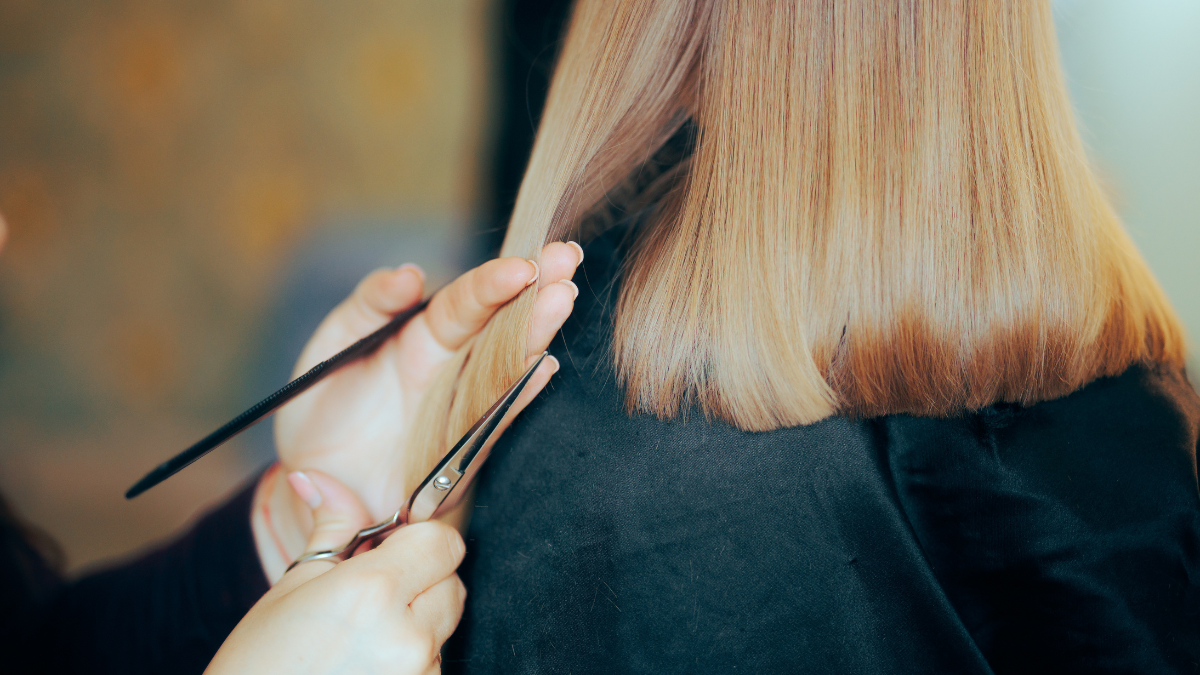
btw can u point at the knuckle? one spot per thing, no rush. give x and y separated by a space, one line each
365 294
413 649
554 303
483 285
367 286
373 586
433 535
461 297
506 277
559 295
437 541
453 298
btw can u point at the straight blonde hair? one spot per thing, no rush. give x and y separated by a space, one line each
888 209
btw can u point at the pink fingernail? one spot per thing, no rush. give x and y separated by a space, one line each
570 283
553 360
577 248
304 489
409 266
537 272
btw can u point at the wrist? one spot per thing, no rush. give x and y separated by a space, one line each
281 523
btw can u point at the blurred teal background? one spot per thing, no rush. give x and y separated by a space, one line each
1133 68
1134 75
191 184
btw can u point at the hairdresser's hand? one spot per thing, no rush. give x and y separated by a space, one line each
384 611
353 425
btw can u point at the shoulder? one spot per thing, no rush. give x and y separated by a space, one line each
1115 433
1122 447
1065 532
1143 407
1121 452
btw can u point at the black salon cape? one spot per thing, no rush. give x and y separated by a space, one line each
1058 538
165 612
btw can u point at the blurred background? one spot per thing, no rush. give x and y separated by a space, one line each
191 185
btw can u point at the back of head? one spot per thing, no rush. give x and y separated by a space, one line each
887 209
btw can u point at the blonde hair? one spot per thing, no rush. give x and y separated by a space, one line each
888 210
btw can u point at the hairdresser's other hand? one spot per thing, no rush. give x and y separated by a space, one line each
384 611
353 425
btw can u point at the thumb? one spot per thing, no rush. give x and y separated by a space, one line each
377 298
338 514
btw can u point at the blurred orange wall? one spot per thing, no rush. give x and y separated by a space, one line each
159 162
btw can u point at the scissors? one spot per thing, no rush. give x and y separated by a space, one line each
441 491
444 487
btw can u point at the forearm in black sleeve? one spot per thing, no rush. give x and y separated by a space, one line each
166 612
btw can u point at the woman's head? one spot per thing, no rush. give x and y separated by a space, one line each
887 209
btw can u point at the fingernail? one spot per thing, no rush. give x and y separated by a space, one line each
553 362
537 272
570 283
409 266
304 489
577 248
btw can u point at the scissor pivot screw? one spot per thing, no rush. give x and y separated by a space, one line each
442 483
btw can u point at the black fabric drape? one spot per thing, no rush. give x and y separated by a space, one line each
1059 538
165 612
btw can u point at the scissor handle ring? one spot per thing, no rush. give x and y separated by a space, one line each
331 556
361 537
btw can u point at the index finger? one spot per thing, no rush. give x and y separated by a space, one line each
460 310
415 558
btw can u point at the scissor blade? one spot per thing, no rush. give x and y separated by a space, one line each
431 498
445 486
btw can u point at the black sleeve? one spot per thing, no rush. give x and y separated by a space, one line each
166 612
1066 534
